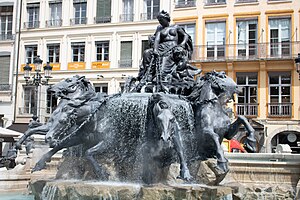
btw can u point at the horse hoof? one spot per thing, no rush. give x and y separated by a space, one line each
250 146
185 175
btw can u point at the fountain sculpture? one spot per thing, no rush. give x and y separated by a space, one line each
163 116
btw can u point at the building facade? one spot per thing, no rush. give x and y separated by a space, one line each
8 24
254 41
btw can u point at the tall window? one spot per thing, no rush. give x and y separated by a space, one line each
103 11
247 38
55 14
31 53
127 15
126 54
33 10
53 53
29 105
280 37
4 72
103 88
78 50
6 14
189 29
152 8
247 99
102 49
215 34
51 102
79 12
279 94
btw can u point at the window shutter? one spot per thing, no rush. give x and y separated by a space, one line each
126 50
103 8
4 69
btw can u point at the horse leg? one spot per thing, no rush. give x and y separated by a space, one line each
98 148
221 160
184 171
41 164
41 130
250 143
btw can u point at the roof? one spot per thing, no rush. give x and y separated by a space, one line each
9 133
19 127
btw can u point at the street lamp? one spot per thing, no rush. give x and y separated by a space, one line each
37 79
297 61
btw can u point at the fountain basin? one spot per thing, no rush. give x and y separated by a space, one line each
76 189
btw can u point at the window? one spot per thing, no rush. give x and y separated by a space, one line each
79 13
280 94
31 53
247 38
103 11
55 14
280 37
103 88
185 3
246 1
29 100
33 11
121 87
1 122
53 53
247 99
51 102
152 8
4 72
215 34
6 15
213 2
127 15
78 52
126 54
189 29
102 49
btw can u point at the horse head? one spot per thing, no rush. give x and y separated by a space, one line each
61 126
76 87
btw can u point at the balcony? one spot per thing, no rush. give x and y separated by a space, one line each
280 109
125 63
126 17
246 1
245 52
32 24
215 2
148 16
54 23
6 37
78 20
185 4
248 109
26 110
103 19
5 87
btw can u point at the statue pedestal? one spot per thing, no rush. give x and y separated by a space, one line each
59 190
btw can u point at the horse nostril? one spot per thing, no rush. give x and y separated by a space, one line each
48 139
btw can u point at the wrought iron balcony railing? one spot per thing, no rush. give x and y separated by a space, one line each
7 37
54 23
78 20
247 109
280 109
125 63
32 24
255 51
215 2
126 17
148 16
26 110
185 4
5 87
103 19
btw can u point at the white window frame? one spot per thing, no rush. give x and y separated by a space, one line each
81 54
32 49
104 45
243 43
56 53
215 43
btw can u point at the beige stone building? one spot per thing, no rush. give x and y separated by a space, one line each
253 41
